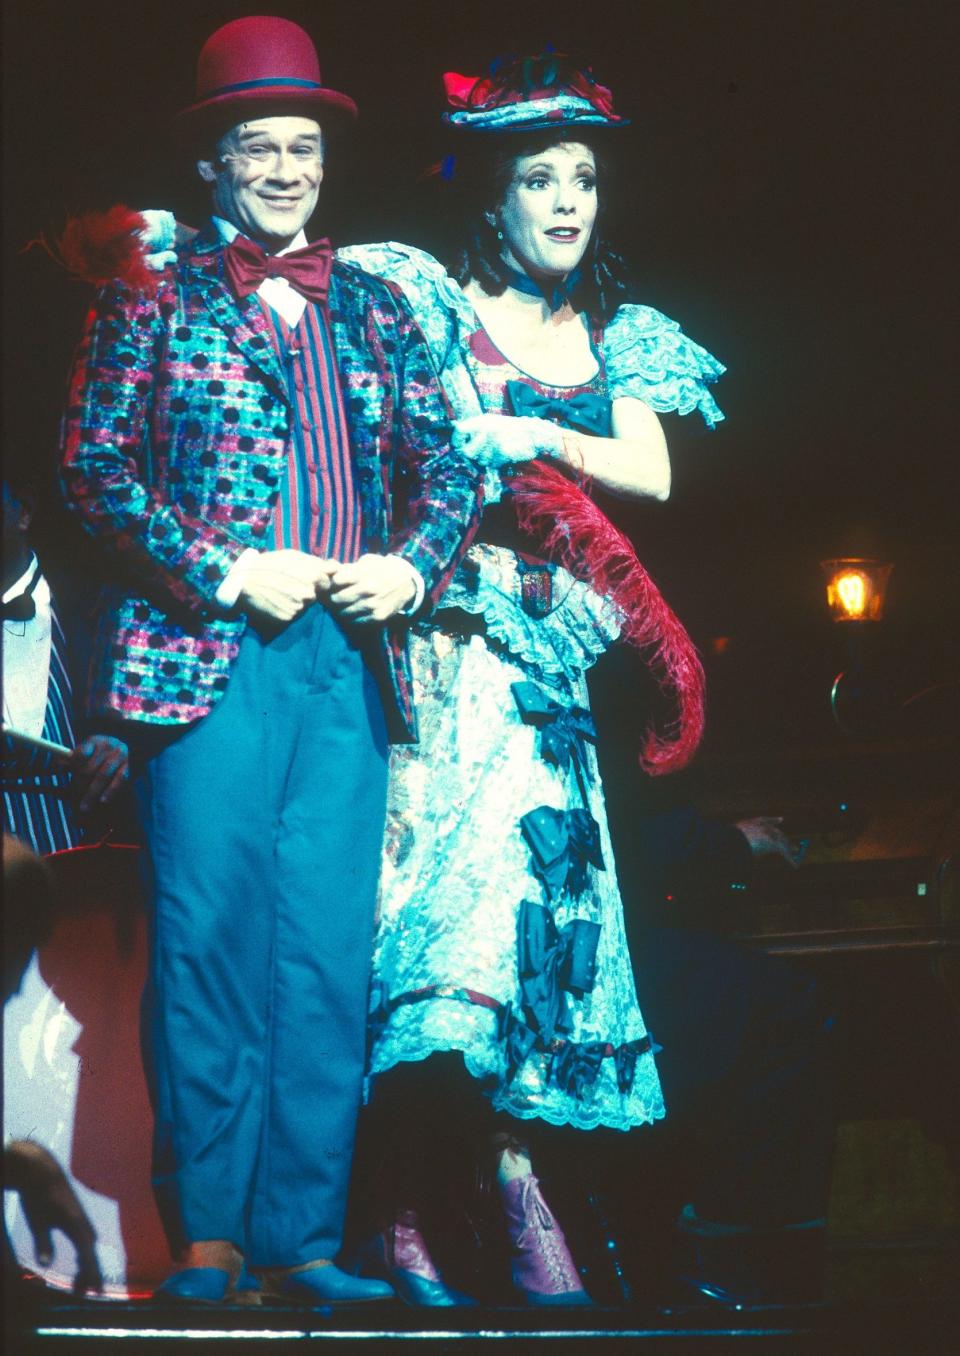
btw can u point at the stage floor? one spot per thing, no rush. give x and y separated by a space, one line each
95 1328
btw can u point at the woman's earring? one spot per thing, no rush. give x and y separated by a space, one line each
499 235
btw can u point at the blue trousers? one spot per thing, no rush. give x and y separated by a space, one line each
264 826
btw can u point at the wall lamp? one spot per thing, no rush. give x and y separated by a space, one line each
856 593
856 588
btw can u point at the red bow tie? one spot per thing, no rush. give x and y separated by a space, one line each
307 271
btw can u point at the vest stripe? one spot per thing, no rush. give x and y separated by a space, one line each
318 509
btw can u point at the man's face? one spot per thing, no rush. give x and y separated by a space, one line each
266 177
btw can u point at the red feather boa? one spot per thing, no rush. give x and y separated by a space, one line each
102 247
576 532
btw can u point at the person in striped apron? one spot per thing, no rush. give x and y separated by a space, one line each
47 799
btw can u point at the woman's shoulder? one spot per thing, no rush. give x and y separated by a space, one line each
388 256
422 278
650 357
439 306
442 312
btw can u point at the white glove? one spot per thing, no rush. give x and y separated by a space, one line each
498 439
158 239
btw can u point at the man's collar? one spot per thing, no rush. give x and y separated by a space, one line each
20 585
228 232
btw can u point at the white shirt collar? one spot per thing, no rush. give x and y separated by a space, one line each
276 292
228 232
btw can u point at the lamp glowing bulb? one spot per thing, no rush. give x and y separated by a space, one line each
852 591
856 588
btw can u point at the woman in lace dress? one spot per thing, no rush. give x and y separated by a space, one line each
501 931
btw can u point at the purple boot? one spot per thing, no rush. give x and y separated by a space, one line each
541 1266
400 1256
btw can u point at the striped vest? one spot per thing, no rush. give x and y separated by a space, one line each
318 508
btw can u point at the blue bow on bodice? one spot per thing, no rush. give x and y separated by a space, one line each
584 411
563 729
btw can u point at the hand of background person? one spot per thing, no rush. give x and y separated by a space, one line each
371 589
49 1202
281 584
100 766
499 439
767 839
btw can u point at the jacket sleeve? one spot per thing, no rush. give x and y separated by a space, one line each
442 490
116 472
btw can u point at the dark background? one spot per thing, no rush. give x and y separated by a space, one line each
786 191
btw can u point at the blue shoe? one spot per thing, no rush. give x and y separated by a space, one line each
576 1298
420 1292
196 1285
247 1289
322 1285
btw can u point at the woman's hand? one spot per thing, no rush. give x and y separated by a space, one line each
160 237
634 463
499 439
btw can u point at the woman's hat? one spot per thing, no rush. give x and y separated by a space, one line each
261 66
529 94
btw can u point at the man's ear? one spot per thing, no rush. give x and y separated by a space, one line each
205 169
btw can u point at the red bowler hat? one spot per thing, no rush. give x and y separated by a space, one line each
260 66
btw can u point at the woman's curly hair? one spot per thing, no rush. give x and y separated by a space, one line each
484 168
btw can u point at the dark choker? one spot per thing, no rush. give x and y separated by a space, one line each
555 296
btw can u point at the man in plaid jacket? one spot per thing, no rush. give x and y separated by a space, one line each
261 444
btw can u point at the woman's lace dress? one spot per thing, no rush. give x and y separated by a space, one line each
501 929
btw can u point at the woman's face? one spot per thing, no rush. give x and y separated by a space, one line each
549 210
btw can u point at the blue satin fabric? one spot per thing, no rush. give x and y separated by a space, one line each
583 411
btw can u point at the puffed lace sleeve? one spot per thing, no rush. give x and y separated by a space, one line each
649 356
444 315
439 306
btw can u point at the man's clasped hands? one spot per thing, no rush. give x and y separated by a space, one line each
280 585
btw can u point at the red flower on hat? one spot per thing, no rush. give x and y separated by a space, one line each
459 88
597 94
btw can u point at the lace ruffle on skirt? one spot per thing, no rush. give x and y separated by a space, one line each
579 627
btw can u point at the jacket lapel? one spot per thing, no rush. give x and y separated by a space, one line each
243 323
